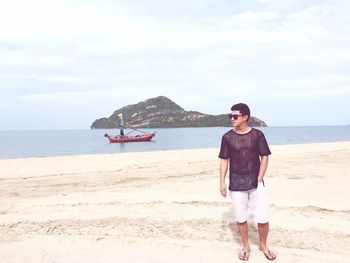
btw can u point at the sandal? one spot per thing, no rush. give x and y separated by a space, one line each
269 254
243 255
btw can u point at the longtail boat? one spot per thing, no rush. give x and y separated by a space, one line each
121 138
125 138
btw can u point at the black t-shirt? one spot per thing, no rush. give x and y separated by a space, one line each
244 151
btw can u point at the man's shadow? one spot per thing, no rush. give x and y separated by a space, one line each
228 223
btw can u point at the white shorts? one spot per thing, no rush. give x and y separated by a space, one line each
256 199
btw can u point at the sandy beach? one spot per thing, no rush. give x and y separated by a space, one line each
166 207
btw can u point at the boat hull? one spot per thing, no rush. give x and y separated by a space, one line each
122 139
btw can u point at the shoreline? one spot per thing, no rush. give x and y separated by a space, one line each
165 206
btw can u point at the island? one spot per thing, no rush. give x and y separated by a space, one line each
161 112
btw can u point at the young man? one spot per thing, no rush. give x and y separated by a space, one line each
247 151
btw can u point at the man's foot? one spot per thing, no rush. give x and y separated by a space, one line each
243 255
269 254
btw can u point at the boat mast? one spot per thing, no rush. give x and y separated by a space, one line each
148 126
121 124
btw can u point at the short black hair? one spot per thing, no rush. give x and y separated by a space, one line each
242 108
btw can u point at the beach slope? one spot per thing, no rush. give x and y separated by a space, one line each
166 207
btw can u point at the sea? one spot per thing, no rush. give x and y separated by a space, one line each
45 143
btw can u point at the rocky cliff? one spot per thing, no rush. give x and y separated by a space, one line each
161 112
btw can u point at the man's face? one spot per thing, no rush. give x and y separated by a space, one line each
237 118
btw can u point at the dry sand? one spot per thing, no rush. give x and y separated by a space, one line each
166 207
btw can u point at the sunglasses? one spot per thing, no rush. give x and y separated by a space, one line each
234 116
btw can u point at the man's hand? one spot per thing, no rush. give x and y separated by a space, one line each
223 171
223 189
263 167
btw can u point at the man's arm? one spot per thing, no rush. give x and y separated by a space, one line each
223 172
263 166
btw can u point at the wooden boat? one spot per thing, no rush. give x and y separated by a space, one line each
146 137
143 137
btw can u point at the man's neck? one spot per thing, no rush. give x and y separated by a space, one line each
242 129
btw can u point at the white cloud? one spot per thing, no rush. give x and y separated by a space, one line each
71 55
251 19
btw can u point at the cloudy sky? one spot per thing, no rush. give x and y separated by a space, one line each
65 63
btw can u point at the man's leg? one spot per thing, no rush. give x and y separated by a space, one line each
240 207
243 231
259 206
263 232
